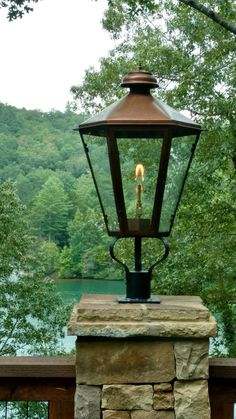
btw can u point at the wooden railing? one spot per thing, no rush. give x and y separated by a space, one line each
49 379
222 387
52 379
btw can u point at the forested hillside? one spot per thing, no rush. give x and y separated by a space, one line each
44 157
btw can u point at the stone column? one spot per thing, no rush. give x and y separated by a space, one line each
141 361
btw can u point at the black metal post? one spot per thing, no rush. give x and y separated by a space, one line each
138 282
138 253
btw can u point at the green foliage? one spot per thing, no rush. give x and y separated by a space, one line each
222 13
85 233
32 316
45 159
68 268
17 8
14 241
48 258
22 410
32 313
50 209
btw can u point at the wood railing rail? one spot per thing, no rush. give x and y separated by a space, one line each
222 387
49 379
52 379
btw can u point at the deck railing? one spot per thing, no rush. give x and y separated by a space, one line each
52 379
222 387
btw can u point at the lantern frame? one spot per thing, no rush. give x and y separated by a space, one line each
139 115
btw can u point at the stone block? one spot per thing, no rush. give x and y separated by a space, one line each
87 402
98 308
163 400
163 387
115 414
121 362
176 316
153 414
192 359
127 397
191 399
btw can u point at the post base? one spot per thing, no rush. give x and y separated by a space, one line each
152 300
141 360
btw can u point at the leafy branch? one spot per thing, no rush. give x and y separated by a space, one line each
207 11
17 8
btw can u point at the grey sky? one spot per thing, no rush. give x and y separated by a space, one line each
46 52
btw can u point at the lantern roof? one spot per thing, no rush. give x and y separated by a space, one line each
139 107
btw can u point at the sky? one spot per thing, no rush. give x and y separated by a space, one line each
47 51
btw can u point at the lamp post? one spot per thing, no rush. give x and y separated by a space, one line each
147 149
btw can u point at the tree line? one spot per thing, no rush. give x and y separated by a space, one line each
193 59
42 155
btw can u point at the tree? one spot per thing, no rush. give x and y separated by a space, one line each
210 13
194 62
222 14
87 255
50 209
85 233
48 258
14 241
34 147
29 185
32 314
20 410
17 8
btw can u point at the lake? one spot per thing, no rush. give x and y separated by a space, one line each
72 290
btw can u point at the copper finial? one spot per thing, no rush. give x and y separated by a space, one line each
140 78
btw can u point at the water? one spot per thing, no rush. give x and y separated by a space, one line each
72 290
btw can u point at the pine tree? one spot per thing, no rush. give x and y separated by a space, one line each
50 209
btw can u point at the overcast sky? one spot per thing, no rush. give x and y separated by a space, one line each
46 52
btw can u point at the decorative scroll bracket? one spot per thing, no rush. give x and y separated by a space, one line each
138 282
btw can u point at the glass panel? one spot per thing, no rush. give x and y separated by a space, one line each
180 154
100 162
143 156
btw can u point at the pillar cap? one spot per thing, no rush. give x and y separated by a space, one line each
176 316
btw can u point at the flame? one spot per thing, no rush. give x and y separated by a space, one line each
139 171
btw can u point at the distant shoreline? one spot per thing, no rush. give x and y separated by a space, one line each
57 279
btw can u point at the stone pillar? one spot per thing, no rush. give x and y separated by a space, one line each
141 361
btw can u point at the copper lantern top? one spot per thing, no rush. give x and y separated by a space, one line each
139 108
140 78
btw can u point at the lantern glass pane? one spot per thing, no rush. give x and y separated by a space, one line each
98 155
180 155
138 154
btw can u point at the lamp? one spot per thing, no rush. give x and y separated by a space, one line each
147 148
